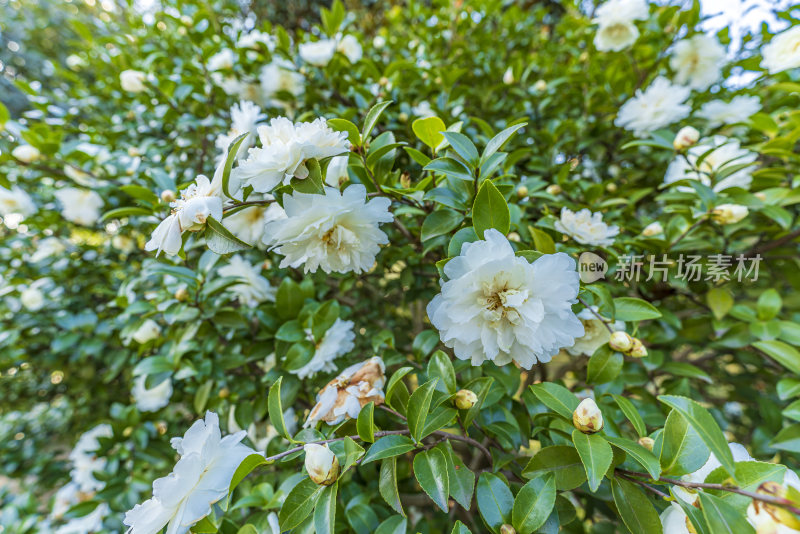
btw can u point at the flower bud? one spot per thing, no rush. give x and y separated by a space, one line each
321 464
761 196
729 213
652 229
167 196
508 76
148 331
638 350
132 81
182 295
540 86
465 399
686 137
587 417
224 393
647 442
26 153
507 529
514 237
522 191
611 187
620 342
553 189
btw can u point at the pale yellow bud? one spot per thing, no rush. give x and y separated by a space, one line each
465 399
553 189
729 213
167 196
182 295
587 417
522 191
321 464
224 393
540 86
686 137
133 151
611 187
514 236
638 350
647 442
620 342
653 229
26 153
761 196
507 529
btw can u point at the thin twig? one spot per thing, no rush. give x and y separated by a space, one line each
602 319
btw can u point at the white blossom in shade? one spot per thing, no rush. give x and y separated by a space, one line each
147 331
698 61
337 341
717 152
595 333
224 59
336 173
254 288
729 213
65 498
85 460
280 76
154 398
616 29
248 224
254 38
739 109
344 396
32 298
508 76
80 206
674 520
318 53
586 228
622 9
499 307
782 52
244 119
91 522
740 454
658 106
336 232
16 201
198 202
45 248
350 47
26 153
132 81
201 477
423 109
285 148
653 229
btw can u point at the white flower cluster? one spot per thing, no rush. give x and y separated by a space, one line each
616 30
709 157
344 396
319 53
660 105
201 477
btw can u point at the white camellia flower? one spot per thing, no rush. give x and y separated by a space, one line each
80 206
285 148
336 173
244 119
337 341
85 460
47 247
318 53
782 52
224 59
344 396
616 30
586 228
254 288
147 331
350 47
499 307
280 76
740 454
153 399
248 224
254 38
321 464
595 333
698 61
674 520
739 109
337 232
132 81
91 522
653 229
26 153
201 478
16 201
508 76
729 213
717 152
32 298
660 105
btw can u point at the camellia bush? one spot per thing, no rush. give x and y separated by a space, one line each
428 267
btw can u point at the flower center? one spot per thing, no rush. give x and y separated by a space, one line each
500 301
339 238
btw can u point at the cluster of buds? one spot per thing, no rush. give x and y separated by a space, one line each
345 395
587 417
628 345
768 518
321 464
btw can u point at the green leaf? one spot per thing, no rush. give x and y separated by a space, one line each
276 409
556 397
230 158
533 504
635 509
311 184
365 424
460 528
220 240
289 299
418 408
128 211
429 131
695 516
372 117
642 456
562 461
395 524
461 478
720 301
387 484
387 447
632 414
201 396
204 526
449 167
479 386
705 426
633 309
682 450
463 146
440 366
440 222
325 510
788 439
721 517
604 366
769 304
781 352
245 468
299 503
249 529
496 142
430 470
596 455
490 210
352 452
542 241
495 501
344 125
